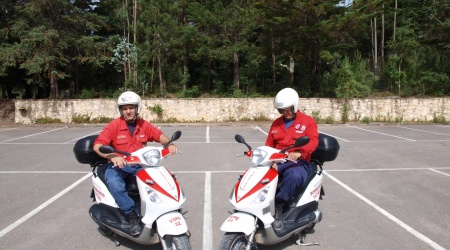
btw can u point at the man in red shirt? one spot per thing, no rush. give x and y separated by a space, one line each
127 133
292 125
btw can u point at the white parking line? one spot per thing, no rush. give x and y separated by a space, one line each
33 134
335 137
380 133
45 204
97 132
207 220
434 170
264 132
207 134
420 130
420 236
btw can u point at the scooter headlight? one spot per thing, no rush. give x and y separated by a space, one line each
153 195
152 157
258 156
261 197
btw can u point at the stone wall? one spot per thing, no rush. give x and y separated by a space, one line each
239 109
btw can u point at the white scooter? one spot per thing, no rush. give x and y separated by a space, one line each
253 197
155 190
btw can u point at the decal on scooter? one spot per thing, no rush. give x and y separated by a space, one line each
271 174
266 210
98 194
316 192
276 156
132 159
176 221
144 177
233 218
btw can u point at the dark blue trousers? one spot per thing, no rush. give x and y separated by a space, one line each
292 176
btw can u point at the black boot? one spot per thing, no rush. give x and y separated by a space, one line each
278 223
135 225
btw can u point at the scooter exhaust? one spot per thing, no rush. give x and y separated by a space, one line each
318 218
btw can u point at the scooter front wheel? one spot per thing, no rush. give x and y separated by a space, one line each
235 241
178 242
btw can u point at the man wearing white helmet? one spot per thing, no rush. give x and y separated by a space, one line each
127 133
291 125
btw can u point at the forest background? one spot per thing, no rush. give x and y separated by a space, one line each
212 48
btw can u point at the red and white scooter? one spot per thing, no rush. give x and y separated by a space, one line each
155 190
253 197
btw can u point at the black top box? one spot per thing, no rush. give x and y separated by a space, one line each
327 150
84 151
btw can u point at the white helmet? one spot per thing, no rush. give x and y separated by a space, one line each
286 98
129 97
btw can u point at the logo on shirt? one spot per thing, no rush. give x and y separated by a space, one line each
274 131
299 128
121 137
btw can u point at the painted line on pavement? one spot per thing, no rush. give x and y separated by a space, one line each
207 217
42 206
97 132
403 138
412 231
33 134
420 130
434 170
207 135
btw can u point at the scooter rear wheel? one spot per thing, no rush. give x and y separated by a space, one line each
234 241
178 242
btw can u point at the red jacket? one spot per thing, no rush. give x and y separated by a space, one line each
279 137
117 134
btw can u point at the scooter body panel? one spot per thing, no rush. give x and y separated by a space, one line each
101 193
160 193
312 191
256 189
172 223
239 222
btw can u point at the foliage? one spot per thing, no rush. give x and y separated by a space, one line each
91 49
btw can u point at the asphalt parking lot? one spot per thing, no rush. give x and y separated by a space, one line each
388 188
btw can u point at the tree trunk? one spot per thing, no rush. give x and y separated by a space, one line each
161 82
382 41
236 69
54 91
274 66
208 79
315 65
135 73
375 46
395 20
290 68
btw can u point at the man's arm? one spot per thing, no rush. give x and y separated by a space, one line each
164 140
114 158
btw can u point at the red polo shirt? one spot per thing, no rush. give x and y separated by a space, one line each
117 134
279 137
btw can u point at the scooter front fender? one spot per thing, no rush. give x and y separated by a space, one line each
172 223
239 222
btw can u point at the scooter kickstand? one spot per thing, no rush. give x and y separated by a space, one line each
301 241
116 242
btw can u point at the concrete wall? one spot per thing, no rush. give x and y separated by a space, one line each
240 109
